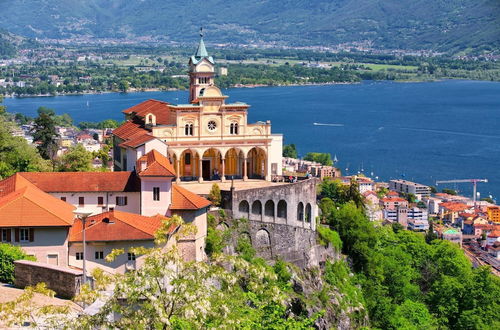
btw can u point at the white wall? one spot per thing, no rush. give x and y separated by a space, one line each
276 153
158 145
119 265
133 201
47 241
149 206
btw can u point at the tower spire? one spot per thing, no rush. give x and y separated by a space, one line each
201 51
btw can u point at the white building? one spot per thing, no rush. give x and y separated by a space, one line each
409 187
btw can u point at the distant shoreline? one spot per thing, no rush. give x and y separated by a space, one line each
146 90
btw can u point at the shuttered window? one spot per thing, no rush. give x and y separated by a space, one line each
121 200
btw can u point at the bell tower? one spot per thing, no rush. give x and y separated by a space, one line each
201 71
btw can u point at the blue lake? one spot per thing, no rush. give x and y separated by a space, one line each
420 131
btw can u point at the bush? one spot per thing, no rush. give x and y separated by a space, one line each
327 236
215 196
8 254
245 249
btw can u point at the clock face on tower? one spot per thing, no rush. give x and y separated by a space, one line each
212 126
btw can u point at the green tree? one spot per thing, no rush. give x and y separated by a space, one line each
412 315
76 159
215 195
123 86
322 158
449 191
44 133
290 150
8 254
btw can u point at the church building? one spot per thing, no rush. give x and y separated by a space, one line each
205 139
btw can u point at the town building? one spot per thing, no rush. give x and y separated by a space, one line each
494 213
452 235
449 211
372 204
36 211
409 187
206 139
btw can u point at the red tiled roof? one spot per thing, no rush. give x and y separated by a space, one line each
369 192
156 165
129 129
494 234
160 109
393 193
119 226
27 206
137 140
455 206
393 199
83 181
183 199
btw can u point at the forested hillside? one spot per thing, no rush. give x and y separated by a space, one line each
442 25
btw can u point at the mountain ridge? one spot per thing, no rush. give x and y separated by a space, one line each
439 25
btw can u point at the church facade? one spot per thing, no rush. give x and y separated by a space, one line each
205 139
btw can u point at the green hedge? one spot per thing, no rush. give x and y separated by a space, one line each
8 254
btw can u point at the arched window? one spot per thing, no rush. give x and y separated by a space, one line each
188 129
269 209
244 207
282 209
308 212
257 208
300 212
233 129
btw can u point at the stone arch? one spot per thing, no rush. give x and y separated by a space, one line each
300 211
222 226
269 209
150 119
262 238
188 162
246 236
211 165
308 214
282 209
244 208
262 243
234 160
257 210
257 163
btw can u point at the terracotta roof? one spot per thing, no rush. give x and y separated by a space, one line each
129 129
28 206
137 140
494 234
455 206
369 192
83 181
183 199
160 109
156 165
392 193
393 199
117 226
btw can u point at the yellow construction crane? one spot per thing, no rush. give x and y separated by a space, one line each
473 181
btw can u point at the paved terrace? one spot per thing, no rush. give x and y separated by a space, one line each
204 188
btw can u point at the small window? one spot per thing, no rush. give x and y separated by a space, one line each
79 256
121 200
187 159
24 235
5 235
156 193
99 255
131 256
100 201
81 201
233 129
63 199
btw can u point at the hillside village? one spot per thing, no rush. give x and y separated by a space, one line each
167 158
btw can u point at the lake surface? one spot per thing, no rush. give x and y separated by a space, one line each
419 131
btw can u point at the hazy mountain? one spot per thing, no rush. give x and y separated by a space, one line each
411 24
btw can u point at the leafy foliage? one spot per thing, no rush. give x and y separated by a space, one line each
290 150
215 195
409 283
44 133
329 237
8 254
15 153
322 158
76 159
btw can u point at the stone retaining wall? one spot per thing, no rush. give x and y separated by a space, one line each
64 281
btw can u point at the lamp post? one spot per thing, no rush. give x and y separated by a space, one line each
83 215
